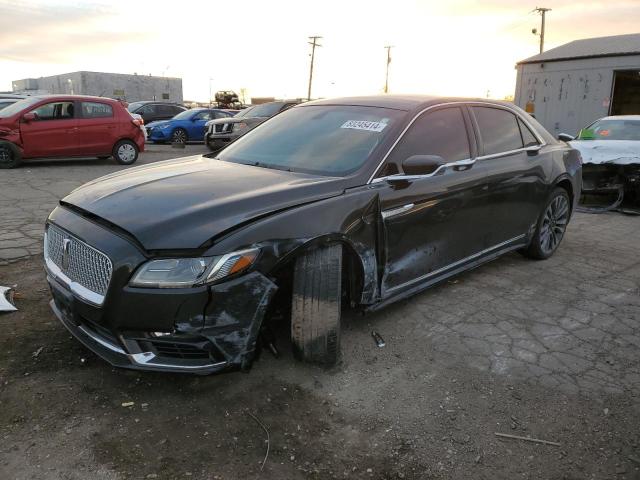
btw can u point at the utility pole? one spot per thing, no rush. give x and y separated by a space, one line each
313 44
386 81
542 11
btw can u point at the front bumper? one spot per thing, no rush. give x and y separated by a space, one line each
200 330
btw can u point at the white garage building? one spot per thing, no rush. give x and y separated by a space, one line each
568 87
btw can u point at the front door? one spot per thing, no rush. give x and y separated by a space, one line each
53 133
433 223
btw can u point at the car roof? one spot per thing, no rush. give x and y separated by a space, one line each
401 102
75 97
8 96
158 102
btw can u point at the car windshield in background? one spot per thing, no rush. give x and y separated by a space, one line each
132 107
325 140
243 113
18 106
185 115
265 110
611 130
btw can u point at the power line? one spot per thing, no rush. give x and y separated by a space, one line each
386 81
313 44
542 11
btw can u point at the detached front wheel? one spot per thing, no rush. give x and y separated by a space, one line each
551 227
316 305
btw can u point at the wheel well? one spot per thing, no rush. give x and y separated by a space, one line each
566 184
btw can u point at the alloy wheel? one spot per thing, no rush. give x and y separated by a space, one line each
554 224
6 156
179 136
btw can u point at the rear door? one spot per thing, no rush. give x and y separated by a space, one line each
196 127
436 222
515 164
97 128
165 112
53 133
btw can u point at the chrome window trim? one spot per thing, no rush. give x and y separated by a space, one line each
456 263
399 176
541 142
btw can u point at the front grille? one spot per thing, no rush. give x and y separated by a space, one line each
79 262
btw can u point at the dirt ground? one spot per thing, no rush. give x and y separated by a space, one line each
549 350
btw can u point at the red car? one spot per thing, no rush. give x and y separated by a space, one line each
68 126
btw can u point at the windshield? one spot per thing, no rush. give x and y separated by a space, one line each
265 110
611 130
243 113
186 114
332 140
18 106
134 106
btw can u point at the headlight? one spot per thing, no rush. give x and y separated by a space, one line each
165 126
239 126
190 272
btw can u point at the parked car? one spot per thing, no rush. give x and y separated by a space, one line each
68 126
355 202
7 99
184 127
610 149
152 111
219 133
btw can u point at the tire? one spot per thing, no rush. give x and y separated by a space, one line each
10 156
179 135
551 226
125 152
316 304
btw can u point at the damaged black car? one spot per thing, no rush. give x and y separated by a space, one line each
334 204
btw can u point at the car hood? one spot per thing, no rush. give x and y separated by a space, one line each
183 203
619 152
157 123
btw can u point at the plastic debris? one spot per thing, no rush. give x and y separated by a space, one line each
6 300
378 339
128 404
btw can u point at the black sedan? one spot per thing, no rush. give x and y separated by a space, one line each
355 202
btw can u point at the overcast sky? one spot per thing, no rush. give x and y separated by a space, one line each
445 47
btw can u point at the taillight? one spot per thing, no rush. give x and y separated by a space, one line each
138 122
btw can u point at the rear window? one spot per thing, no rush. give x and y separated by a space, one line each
499 130
96 110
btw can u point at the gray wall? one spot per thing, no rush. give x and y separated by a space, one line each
114 85
569 95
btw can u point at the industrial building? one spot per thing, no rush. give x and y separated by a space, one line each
568 87
131 88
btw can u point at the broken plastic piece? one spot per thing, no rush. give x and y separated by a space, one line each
379 340
6 300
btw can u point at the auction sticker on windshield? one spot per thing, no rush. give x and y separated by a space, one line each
364 125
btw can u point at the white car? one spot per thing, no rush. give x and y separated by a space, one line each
610 150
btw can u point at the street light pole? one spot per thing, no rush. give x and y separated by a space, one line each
313 44
386 81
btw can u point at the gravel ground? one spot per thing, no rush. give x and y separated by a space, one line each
548 350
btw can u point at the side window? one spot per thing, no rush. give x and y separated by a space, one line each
55 111
221 115
203 116
147 110
177 110
96 110
441 132
528 137
499 130
165 110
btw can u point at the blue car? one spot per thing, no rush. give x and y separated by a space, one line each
185 126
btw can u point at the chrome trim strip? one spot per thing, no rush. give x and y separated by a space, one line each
485 104
457 263
467 162
397 211
101 341
77 289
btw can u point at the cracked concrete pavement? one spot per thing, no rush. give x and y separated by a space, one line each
28 194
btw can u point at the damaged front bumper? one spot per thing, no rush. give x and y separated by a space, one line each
201 330
610 186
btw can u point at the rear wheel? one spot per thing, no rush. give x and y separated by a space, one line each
9 155
316 304
179 136
125 152
551 227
